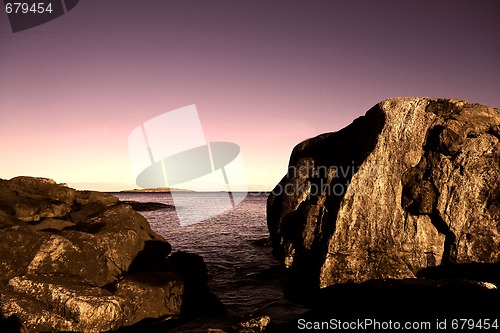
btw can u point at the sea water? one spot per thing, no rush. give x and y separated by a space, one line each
227 242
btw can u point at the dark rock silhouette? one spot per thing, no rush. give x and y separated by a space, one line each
390 304
82 261
413 184
147 206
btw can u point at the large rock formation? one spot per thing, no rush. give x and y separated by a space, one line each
413 184
83 261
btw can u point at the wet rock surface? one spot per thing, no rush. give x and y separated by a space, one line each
412 185
83 261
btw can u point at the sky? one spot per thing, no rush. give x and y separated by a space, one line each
264 75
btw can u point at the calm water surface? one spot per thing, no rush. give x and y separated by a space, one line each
226 243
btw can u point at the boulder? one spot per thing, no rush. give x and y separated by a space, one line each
83 261
151 295
412 184
81 306
31 199
18 246
197 299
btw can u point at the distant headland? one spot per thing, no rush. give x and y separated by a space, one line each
155 190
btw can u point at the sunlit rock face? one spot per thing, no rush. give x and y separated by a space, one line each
83 261
412 184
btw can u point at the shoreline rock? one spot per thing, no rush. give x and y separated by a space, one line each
147 206
413 184
83 261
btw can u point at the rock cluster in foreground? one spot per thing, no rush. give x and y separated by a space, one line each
411 189
83 261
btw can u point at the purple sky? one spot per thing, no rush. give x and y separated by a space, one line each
263 74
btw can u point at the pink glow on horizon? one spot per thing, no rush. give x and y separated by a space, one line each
262 76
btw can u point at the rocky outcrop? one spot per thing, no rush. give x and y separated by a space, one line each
413 184
147 206
83 261
390 304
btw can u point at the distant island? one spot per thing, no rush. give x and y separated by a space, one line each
154 190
